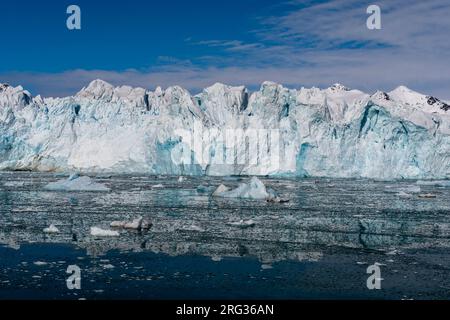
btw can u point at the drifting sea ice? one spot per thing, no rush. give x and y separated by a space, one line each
255 190
243 224
51 229
403 190
98 232
440 183
76 183
137 224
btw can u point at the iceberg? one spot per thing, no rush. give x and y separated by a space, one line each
335 132
76 183
255 190
243 224
51 229
137 224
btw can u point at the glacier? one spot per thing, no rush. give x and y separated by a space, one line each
308 132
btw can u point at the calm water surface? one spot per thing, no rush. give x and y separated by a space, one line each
317 246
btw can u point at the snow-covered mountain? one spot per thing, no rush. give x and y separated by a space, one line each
336 132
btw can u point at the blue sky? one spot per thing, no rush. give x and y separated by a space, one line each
196 43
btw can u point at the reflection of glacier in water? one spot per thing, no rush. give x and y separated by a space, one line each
359 215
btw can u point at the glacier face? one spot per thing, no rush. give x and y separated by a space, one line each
335 132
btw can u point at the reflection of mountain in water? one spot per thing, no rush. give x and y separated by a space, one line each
320 215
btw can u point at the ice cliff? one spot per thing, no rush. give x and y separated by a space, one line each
335 132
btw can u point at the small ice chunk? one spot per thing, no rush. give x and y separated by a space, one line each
403 194
194 228
75 183
98 232
439 183
243 223
406 189
14 184
51 229
393 252
118 224
158 186
40 263
274 197
137 224
220 191
181 179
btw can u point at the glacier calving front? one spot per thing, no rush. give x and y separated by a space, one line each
336 132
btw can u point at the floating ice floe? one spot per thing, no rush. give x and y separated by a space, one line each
438 183
51 229
14 184
76 183
403 194
243 224
158 186
255 189
137 224
216 258
403 190
98 232
193 228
